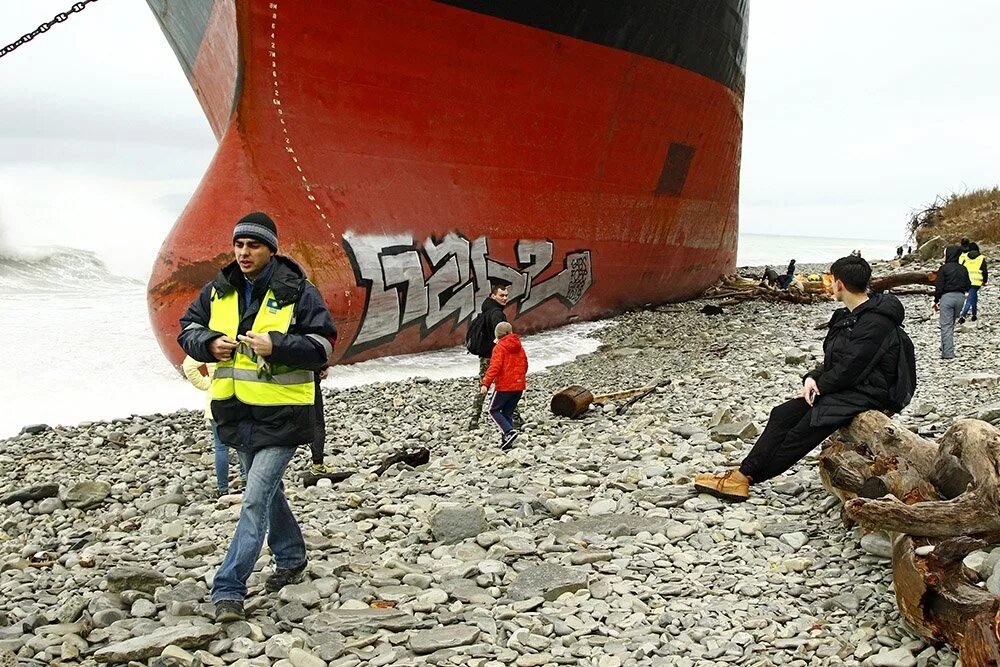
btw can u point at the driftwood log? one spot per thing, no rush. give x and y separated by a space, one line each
737 289
939 502
900 279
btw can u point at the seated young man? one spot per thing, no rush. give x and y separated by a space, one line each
857 375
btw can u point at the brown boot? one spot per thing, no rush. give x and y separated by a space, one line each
732 485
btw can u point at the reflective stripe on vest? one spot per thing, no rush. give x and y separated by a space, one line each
239 376
975 267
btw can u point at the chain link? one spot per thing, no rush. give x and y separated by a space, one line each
45 27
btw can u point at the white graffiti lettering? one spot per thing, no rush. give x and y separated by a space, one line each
448 280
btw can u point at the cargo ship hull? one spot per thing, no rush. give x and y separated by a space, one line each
410 151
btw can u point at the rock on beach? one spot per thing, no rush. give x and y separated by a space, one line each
584 544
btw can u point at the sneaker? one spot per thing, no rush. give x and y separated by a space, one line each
507 441
473 424
227 611
961 320
732 485
284 576
320 469
975 317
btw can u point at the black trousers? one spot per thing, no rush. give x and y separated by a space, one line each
318 445
786 439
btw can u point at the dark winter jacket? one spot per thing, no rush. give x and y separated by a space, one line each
952 276
858 369
493 312
307 345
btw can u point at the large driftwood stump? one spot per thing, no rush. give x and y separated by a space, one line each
941 500
901 279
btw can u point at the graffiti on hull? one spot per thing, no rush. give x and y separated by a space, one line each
437 281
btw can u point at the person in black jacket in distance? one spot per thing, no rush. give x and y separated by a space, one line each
949 296
857 375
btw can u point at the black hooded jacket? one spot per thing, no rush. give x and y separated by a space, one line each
861 356
493 312
952 276
307 345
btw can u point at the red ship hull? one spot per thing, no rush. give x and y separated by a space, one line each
410 150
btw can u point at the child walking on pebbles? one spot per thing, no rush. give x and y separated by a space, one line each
507 371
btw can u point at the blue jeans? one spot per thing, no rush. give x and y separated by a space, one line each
222 461
971 302
502 409
265 511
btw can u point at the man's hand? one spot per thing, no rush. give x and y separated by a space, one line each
937 307
483 390
258 342
222 348
324 373
810 391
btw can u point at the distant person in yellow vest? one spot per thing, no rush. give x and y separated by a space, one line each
979 275
192 371
269 331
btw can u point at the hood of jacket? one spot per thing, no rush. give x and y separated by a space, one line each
883 304
952 253
973 254
287 281
510 343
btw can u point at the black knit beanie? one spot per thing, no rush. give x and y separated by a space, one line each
258 226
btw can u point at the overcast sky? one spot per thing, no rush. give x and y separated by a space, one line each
856 112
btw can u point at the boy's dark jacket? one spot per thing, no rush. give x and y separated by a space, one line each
857 371
307 345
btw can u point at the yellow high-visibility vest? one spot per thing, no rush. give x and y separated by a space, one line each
239 376
975 268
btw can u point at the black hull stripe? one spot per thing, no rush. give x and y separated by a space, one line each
704 36
183 23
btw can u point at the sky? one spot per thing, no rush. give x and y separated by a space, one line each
856 112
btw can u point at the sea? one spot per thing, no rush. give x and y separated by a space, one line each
77 344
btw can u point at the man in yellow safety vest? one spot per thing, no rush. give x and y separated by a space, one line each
269 331
975 263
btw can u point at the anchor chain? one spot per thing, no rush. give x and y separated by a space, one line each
45 27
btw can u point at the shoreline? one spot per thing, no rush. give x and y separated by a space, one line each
652 572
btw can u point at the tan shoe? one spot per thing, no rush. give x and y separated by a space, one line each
732 485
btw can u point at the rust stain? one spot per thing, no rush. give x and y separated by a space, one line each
190 275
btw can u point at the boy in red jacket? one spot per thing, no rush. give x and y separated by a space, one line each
508 368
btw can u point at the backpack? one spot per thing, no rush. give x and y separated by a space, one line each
901 393
474 341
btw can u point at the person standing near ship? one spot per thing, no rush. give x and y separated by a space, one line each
269 331
507 373
192 371
490 315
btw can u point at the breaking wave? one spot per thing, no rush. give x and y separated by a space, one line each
56 268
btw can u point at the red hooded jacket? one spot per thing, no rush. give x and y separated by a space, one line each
508 365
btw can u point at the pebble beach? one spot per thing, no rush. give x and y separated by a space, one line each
585 544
